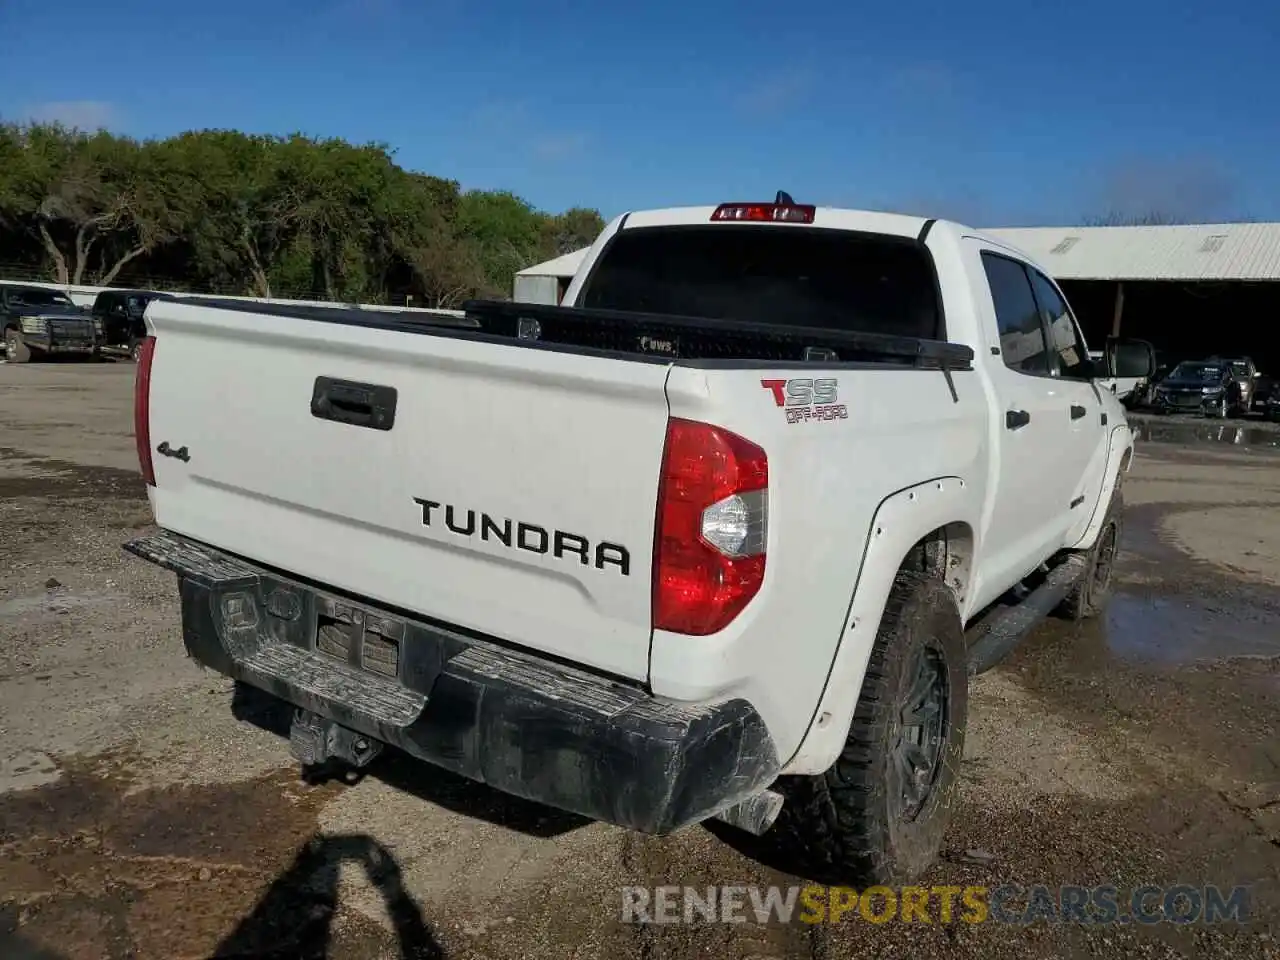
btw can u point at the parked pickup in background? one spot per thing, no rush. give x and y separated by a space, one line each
1126 389
40 322
119 314
725 536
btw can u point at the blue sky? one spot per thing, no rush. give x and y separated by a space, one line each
999 113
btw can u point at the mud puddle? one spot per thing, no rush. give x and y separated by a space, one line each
95 866
1170 608
1262 435
1182 630
23 475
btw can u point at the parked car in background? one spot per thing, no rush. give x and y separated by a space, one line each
1245 373
1207 387
119 313
39 321
1266 397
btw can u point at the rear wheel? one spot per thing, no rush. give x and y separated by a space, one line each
15 351
1089 595
135 349
879 814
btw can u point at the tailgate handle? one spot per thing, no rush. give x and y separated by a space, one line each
359 404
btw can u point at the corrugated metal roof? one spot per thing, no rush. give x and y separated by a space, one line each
1202 251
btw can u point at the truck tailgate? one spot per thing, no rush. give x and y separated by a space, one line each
513 493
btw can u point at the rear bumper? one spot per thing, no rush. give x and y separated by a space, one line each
524 725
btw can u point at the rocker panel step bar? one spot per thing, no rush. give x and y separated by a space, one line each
994 637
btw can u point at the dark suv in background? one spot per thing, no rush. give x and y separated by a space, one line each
42 321
119 314
1208 387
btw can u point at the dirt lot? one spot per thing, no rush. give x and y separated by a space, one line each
139 819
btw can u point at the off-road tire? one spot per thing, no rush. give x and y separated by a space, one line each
846 823
1089 595
15 351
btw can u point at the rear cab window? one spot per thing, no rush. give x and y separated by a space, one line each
39 297
783 276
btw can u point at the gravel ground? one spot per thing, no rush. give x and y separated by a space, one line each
139 819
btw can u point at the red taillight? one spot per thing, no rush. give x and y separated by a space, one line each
713 501
765 212
142 409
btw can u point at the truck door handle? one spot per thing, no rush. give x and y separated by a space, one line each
357 404
1014 419
1077 411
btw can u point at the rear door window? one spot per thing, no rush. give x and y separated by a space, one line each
784 276
1022 343
1068 347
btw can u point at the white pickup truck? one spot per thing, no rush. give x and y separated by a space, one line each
1125 389
724 536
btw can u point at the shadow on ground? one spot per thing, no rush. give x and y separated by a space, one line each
296 916
422 780
96 864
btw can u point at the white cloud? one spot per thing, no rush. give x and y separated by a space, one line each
83 114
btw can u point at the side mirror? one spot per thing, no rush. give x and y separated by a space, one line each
1129 358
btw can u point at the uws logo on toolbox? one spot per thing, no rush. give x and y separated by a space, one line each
805 399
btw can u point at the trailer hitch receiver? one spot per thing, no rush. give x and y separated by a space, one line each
317 742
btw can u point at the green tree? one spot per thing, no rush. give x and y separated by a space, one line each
235 215
506 232
227 211
572 230
86 197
